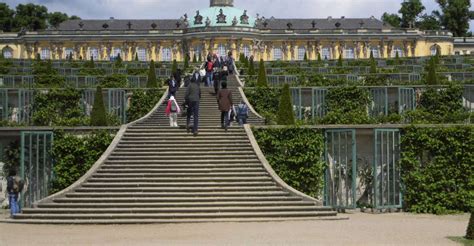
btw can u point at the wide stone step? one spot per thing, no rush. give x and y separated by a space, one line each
204 156
190 152
184 162
178 150
177 189
183 133
164 215
183 145
183 167
175 199
178 194
181 204
175 179
183 170
235 209
181 174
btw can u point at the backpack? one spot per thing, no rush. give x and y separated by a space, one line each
17 184
173 107
209 66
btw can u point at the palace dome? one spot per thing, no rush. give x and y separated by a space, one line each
221 16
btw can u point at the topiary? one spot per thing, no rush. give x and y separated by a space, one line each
319 58
152 82
251 67
118 61
136 57
285 114
339 61
262 75
470 228
305 58
194 58
186 61
373 64
174 67
432 77
98 115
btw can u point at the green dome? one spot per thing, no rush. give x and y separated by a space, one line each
213 12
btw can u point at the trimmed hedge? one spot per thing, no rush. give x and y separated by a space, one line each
437 169
296 155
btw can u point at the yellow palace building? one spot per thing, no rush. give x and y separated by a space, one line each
222 28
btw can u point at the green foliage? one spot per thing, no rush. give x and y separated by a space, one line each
285 115
138 71
251 67
265 101
373 63
174 67
90 63
186 61
136 57
31 16
470 227
262 75
347 105
6 18
194 58
437 170
432 77
305 58
74 156
429 22
58 108
11 158
456 16
98 115
319 58
57 18
114 81
46 75
296 155
410 11
143 102
118 61
152 82
392 19
339 61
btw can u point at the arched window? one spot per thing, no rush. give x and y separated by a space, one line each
221 50
434 50
349 53
246 50
325 53
398 50
375 52
166 54
301 53
7 52
94 54
68 52
142 54
277 54
45 54
117 52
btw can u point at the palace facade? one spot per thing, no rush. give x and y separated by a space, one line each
220 29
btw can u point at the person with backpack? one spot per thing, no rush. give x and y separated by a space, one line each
192 98
242 113
224 99
14 187
230 63
209 66
172 111
173 86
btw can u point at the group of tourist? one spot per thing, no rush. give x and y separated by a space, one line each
214 73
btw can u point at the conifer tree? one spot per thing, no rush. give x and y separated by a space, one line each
262 75
339 61
186 61
118 61
38 57
305 58
432 77
194 58
373 63
98 115
152 82
397 58
319 58
174 67
285 115
251 67
136 57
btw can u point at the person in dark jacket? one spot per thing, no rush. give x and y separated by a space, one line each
192 98
177 77
224 99
173 87
13 190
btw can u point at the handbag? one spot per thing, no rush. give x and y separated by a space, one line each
202 72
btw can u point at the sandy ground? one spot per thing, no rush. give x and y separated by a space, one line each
360 229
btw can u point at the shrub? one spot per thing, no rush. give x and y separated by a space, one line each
136 57
339 61
46 75
174 67
347 105
186 61
118 61
262 75
114 81
265 101
194 58
98 115
285 115
251 67
305 58
432 77
74 156
296 154
437 169
142 102
152 82
12 158
470 228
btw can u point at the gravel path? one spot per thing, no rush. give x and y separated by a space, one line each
360 229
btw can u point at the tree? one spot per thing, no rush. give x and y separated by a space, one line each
262 75
392 19
31 16
319 57
186 61
373 63
470 228
429 22
136 56
74 17
285 114
251 67
152 82
339 61
174 67
432 77
456 16
410 11
194 58
118 61
56 18
6 17
397 58
98 114
305 56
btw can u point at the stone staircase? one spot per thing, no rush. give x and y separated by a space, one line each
152 173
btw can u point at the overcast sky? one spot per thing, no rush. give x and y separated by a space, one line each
173 9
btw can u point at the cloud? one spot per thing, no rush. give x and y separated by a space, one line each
173 9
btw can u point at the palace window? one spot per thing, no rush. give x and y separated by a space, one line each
375 52
94 54
142 55
7 53
326 53
45 54
68 52
117 52
398 50
277 54
349 53
301 53
221 50
166 54
246 50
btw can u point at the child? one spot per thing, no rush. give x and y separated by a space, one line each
242 113
172 110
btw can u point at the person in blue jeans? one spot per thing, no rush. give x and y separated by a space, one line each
209 66
13 189
192 98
